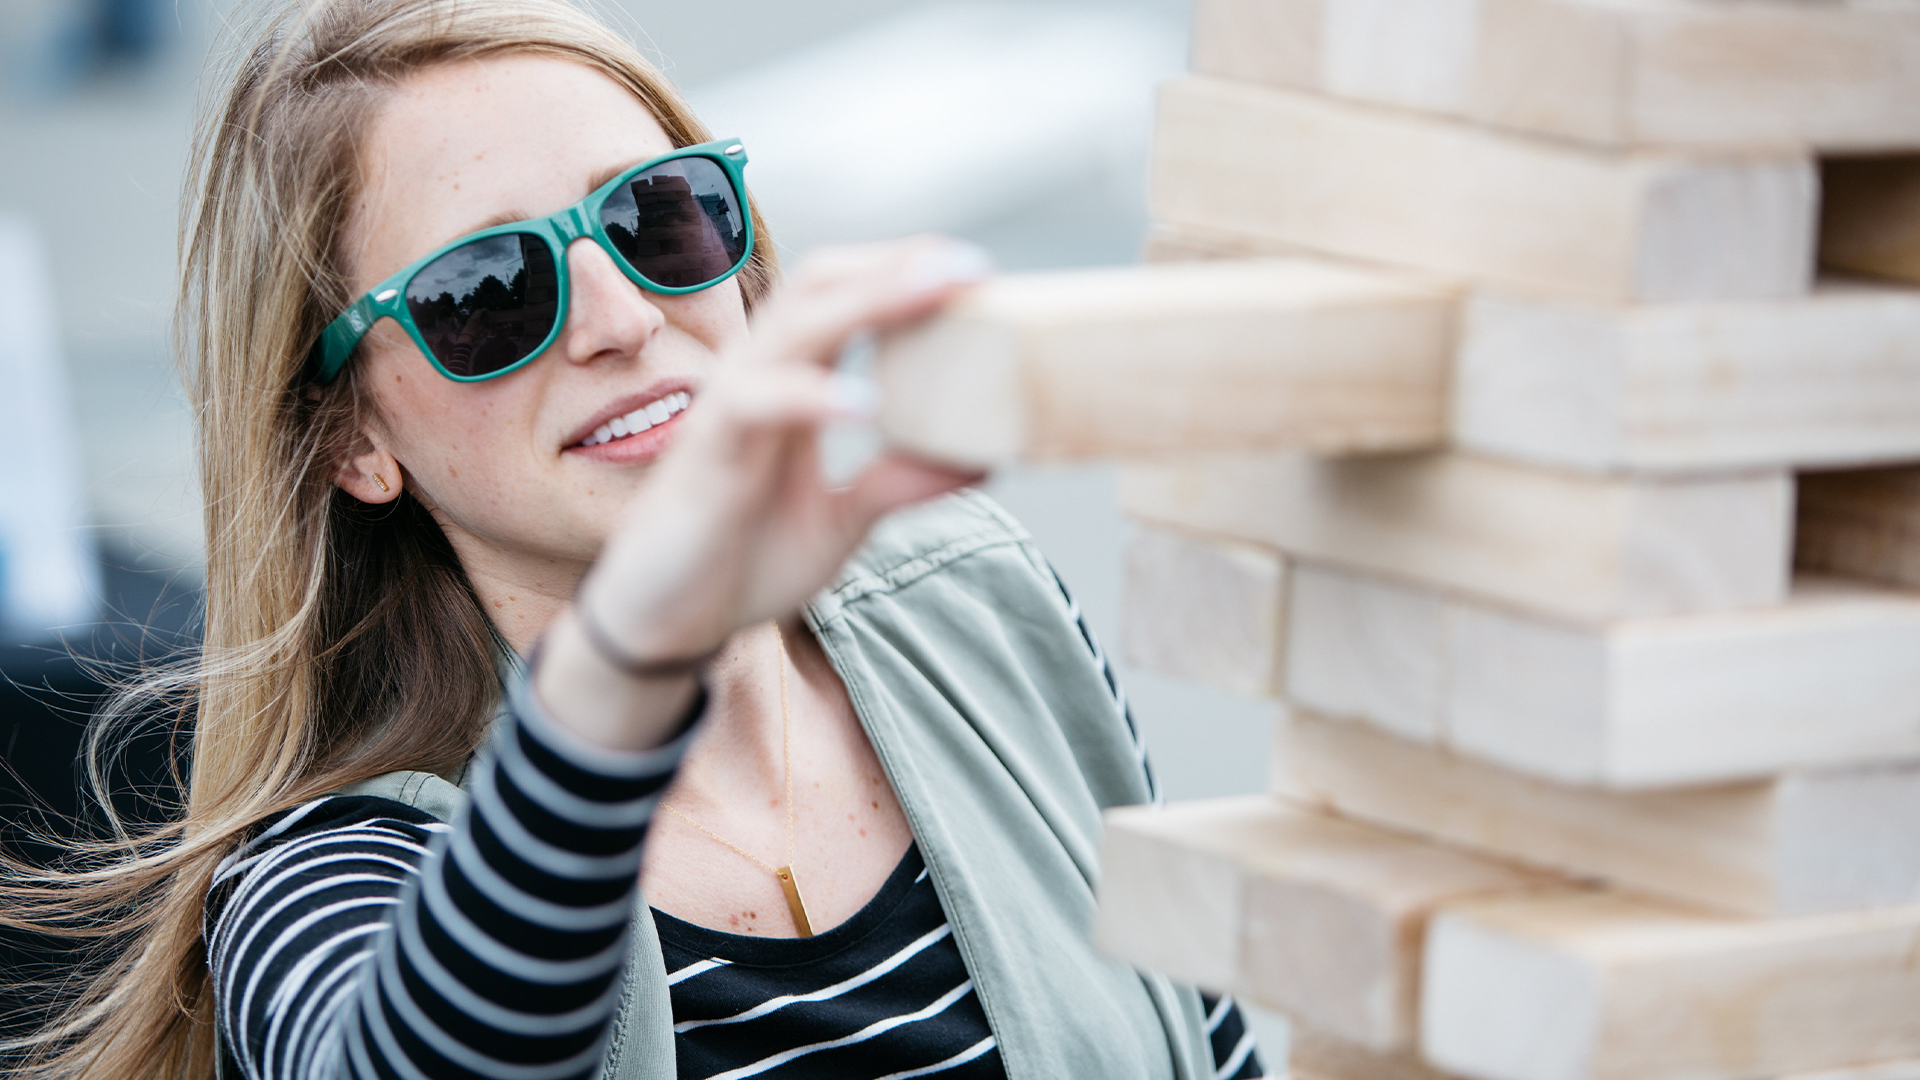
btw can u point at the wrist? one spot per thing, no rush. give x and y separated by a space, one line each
598 702
622 659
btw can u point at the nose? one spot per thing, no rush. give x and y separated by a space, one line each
607 314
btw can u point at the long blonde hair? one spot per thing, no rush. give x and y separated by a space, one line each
342 641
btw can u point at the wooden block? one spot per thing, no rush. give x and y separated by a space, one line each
1827 678
1685 72
1324 915
1797 844
1171 895
1870 215
1167 242
1370 649
1148 359
1885 1070
1612 987
1560 543
1313 1054
1863 524
1437 195
1203 609
1833 378
1185 243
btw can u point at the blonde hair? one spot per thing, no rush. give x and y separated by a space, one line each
342 641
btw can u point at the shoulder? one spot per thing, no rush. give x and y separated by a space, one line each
951 616
330 831
355 844
349 812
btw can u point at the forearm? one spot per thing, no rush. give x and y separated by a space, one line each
511 951
503 952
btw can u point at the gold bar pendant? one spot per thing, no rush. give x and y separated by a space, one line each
794 903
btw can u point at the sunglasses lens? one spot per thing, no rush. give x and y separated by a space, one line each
488 304
679 224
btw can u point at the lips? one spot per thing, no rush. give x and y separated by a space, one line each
633 428
651 415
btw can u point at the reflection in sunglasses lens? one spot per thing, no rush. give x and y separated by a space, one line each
679 224
488 304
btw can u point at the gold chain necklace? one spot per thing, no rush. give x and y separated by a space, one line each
788 883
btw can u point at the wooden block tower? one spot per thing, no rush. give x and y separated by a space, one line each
1526 395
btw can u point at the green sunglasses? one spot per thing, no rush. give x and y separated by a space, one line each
487 303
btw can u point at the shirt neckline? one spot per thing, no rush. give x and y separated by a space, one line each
756 951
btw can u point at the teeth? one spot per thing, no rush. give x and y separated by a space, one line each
639 419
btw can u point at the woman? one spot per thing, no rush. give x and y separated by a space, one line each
867 761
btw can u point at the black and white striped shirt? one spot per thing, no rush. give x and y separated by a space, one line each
360 937
884 994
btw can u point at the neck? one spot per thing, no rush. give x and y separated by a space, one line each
741 748
521 596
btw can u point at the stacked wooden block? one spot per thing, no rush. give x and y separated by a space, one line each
1489 348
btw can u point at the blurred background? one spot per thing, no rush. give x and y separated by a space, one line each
957 113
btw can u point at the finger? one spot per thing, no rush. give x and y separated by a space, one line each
831 264
811 321
894 480
759 397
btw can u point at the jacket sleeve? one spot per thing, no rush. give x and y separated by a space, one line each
1113 686
358 937
1235 1055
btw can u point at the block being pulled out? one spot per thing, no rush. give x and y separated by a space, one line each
1145 360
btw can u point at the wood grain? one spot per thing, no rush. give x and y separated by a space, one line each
1204 609
1301 912
1608 986
1800 843
1823 380
1658 72
1827 678
1429 194
1154 359
1314 1054
1560 543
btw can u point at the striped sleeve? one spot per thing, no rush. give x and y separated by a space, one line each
1235 1057
358 937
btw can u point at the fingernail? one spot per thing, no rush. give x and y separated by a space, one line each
954 263
855 396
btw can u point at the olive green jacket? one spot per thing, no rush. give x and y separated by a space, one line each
993 720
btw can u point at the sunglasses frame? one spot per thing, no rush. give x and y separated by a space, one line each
388 300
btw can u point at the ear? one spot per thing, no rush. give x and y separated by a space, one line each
371 475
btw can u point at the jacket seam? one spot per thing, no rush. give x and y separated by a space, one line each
924 564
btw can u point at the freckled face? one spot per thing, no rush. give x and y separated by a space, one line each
462 146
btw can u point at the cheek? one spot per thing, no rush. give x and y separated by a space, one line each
442 432
716 317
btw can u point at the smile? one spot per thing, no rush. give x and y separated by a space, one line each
658 411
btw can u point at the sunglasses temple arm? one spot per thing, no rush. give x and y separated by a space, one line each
341 336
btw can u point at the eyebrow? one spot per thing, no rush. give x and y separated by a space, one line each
599 179
594 183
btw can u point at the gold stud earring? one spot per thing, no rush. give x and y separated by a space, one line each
381 482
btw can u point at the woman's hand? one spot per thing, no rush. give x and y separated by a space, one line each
736 524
